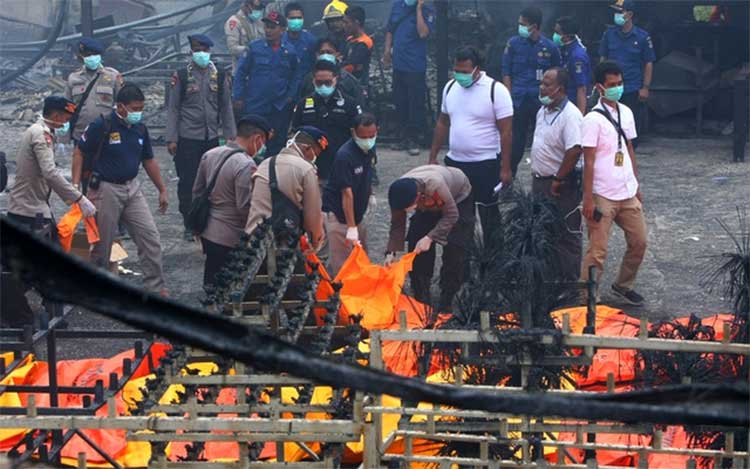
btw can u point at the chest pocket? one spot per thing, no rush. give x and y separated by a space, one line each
104 95
544 59
77 90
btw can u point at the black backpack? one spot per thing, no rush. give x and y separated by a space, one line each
200 209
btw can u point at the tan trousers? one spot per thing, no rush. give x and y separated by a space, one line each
338 248
628 215
126 202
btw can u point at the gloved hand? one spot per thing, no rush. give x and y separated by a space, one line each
88 209
423 245
372 204
352 235
390 258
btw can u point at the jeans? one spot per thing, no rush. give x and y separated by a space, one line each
409 91
524 116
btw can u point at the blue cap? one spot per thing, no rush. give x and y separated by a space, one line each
91 45
201 39
402 193
624 5
256 121
316 134
58 103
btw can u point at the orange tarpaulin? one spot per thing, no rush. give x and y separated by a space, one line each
66 227
372 290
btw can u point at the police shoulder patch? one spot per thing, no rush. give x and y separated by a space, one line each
48 138
579 67
232 23
173 80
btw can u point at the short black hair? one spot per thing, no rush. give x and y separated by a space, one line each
324 65
533 15
562 77
356 13
568 25
365 119
469 53
326 40
246 129
130 93
608 67
293 6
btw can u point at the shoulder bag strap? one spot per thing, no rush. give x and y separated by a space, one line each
84 97
211 184
620 132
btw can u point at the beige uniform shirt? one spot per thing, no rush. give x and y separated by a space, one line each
442 189
240 30
198 114
298 180
230 198
37 175
100 99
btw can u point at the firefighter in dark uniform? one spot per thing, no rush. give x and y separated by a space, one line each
329 110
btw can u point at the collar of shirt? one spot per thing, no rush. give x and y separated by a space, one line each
612 110
46 127
559 106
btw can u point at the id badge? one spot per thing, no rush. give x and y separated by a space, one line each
619 158
539 74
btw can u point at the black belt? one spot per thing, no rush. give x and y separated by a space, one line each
542 178
119 182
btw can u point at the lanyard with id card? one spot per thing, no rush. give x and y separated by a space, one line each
619 156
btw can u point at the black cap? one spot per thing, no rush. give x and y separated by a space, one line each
91 45
402 193
58 103
256 121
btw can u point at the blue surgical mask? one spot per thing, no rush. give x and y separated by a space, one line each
256 15
523 31
295 24
464 79
365 144
329 57
410 3
614 93
134 117
557 39
62 130
325 90
620 19
92 62
202 59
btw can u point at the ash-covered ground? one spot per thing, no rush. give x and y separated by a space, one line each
688 184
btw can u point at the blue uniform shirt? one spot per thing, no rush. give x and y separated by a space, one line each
631 50
409 50
352 168
525 61
576 60
125 148
267 80
304 45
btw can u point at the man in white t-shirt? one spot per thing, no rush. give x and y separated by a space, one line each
554 154
611 192
478 113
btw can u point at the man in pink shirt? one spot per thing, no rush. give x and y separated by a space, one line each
611 192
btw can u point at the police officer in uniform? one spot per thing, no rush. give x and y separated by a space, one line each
525 60
114 147
329 110
199 106
325 49
243 27
268 78
631 47
37 176
295 202
575 59
101 94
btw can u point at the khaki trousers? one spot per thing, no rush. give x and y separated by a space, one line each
338 248
628 215
126 203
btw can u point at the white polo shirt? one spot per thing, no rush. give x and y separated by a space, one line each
557 131
473 134
610 181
